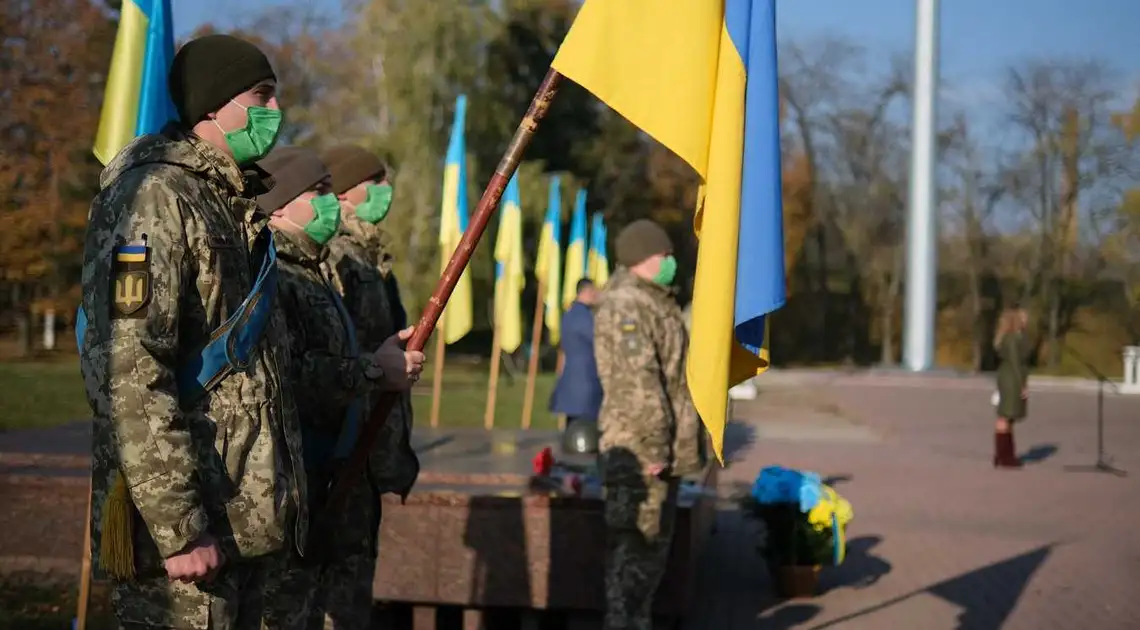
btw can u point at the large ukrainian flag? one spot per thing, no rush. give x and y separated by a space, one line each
700 77
136 100
598 263
456 320
548 263
575 251
509 278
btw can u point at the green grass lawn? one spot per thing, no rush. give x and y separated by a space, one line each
43 394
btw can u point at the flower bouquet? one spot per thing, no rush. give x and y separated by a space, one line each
805 522
557 478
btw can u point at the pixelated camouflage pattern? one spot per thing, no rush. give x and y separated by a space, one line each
291 589
647 418
373 238
345 592
229 463
367 287
329 373
639 522
234 600
640 343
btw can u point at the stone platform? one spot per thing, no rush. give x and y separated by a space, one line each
481 540
471 537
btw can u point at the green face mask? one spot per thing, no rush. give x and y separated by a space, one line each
667 272
375 208
256 139
326 220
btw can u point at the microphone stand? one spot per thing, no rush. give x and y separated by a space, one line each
1103 461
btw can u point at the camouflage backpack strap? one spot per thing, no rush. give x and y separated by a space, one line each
232 343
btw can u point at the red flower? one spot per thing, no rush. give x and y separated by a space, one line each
543 462
576 484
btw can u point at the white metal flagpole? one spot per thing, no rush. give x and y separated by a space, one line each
922 224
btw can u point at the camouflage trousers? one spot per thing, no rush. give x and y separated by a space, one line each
334 591
344 594
639 523
290 592
234 600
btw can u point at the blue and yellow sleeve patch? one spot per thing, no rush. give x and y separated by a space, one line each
130 253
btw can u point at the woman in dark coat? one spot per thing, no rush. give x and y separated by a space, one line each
1012 384
578 392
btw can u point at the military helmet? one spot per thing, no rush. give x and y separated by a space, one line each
580 437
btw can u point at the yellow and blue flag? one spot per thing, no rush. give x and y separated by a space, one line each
575 252
548 263
509 278
700 77
136 100
598 263
457 315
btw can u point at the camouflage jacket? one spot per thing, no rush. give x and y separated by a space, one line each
393 465
230 462
647 416
372 238
328 369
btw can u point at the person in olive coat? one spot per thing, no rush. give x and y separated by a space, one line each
1012 383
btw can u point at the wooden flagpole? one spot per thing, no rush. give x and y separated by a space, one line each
493 382
535 348
85 575
437 380
353 470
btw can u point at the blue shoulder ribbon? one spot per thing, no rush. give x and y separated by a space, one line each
232 343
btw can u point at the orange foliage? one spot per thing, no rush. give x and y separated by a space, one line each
52 64
797 212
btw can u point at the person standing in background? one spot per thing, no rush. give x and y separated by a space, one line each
650 431
578 392
1012 383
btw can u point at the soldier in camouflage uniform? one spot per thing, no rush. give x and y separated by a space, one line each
649 428
332 375
197 481
361 262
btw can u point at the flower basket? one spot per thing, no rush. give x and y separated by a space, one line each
795 582
805 525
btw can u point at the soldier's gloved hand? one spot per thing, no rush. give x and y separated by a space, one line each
199 561
401 368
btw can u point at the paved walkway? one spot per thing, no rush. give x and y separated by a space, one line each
940 539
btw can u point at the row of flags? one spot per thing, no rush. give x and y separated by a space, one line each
710 97
584 258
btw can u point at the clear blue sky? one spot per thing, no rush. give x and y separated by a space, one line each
979 37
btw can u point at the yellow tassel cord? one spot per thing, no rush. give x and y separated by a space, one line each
117 550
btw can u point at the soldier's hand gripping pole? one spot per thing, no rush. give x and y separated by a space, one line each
353 469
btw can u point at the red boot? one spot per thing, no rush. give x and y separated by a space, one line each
1005 454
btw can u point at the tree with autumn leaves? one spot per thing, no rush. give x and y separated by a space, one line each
1045 218
54 56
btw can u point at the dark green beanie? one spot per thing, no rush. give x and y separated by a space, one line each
295 170
640 240
209 71
350 165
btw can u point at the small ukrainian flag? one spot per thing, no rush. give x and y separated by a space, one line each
130 254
